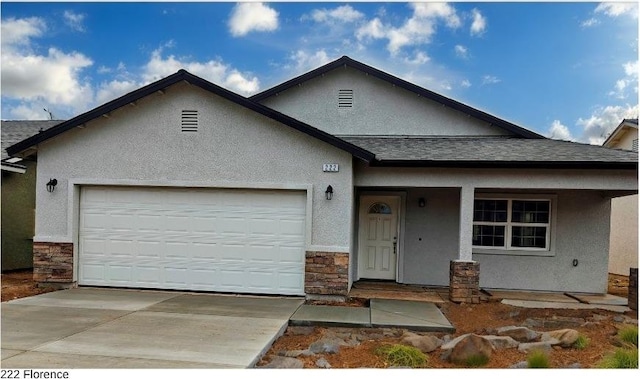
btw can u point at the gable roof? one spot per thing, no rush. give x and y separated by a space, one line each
15 131
161 85
491 152
627 123
346 61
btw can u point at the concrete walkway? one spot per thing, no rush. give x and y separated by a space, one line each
414 315
108 328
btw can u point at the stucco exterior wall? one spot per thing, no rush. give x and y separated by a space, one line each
623 245
18 205
582 233
431 235
142 144
377 105
582 223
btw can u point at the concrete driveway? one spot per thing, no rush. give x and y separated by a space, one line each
113 328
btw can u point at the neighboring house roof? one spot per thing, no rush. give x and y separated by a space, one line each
182 75
346 61
16 131
626 124
491 152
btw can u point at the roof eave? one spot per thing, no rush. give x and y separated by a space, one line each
179 76
582 165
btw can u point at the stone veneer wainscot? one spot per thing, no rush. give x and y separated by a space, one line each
464 282
326 273
53 262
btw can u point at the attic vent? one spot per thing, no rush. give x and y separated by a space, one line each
189 121
345 98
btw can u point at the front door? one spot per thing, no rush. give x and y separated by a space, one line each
378 237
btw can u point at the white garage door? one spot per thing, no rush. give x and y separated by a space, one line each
226 240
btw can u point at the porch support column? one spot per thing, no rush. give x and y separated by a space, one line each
464 273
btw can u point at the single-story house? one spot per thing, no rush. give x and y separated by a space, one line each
623 244
18 195
341 174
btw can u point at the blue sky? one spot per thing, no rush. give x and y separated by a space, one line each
565 70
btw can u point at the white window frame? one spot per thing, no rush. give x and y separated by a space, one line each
507 249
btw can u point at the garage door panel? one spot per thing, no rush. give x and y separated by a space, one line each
216 240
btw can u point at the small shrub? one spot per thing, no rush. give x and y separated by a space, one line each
538 359
476 360
581 343
629 335
621 358
401 355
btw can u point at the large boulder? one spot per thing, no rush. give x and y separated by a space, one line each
470 346
329 345
545 346
284 362
426 344
562 337
518 333
501 342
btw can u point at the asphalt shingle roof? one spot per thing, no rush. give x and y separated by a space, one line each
16 131
490 150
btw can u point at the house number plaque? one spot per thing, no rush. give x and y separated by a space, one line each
330 167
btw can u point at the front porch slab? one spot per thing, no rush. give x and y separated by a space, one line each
408 314
556 297
326 315
600 299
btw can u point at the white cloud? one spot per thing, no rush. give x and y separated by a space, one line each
248 17
629 81
343 13
465 83
114 89
420 57
54 76
490 79
590 22
304 61
214 71
29 111
479 24
603 121
20 31
74 20
461 51
416 30
559 131
372 29
618 8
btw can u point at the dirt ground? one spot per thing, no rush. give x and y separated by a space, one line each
467 318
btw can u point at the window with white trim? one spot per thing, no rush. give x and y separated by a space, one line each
512 224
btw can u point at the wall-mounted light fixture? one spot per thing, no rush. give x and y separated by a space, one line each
51 185
421 202
329 193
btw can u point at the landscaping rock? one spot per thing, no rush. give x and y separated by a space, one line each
426 344
521 364
533 323
294 353
470 346
575 365
597 317
501 342
301 330
545 346
284 362
518 333
323 363
558 322
329 345
564 337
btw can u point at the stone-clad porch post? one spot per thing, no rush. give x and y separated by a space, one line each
464 273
